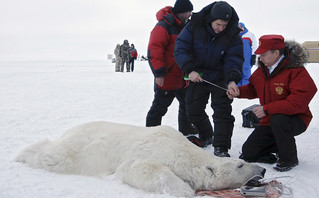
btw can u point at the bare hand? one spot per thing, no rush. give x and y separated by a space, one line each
233 90
160 81
259 112
195 77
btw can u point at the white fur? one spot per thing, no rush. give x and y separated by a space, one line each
156 159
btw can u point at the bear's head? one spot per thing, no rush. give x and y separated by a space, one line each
225 173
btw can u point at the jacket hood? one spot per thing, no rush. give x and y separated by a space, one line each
202 18
295 55
163 12
167 15
244 32
233 21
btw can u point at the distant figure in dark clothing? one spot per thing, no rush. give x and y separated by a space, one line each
133 56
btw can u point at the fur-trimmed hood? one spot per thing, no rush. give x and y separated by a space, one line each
295 55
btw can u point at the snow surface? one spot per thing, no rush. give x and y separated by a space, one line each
41 100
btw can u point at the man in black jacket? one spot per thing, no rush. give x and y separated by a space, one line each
210 48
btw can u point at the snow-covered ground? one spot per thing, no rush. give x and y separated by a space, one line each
41 100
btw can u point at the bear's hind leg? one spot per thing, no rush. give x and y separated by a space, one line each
153 177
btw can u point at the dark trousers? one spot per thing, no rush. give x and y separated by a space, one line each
132 62
125 61
162 100
276 138
197 97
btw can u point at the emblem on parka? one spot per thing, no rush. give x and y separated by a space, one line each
279 90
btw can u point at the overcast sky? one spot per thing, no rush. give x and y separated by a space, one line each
90 29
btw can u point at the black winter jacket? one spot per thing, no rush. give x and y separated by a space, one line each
218 56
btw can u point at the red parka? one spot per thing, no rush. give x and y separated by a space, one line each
287 90
134 53
161 50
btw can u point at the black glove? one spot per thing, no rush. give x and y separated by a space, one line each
253 60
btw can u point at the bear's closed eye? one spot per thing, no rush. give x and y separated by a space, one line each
210 170
240 165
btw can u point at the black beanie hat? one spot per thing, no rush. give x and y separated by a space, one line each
182 6
221 10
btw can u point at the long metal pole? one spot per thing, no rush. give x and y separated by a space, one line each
215 85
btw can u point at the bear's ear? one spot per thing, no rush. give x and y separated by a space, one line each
209 170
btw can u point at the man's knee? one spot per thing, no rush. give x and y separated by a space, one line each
278 120
280 124
248 152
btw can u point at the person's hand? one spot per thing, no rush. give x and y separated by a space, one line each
195 77
230 95
259 112
160 80
233 90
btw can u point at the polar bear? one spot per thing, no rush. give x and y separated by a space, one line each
156 159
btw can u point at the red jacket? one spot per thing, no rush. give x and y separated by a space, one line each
161 50
134 53
287 90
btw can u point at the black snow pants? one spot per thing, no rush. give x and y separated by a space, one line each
162 100
276 138
197 97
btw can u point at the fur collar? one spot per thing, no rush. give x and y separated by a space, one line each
298 55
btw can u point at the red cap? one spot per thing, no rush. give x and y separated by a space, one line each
270 42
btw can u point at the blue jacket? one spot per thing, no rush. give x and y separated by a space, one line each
218 56
250 46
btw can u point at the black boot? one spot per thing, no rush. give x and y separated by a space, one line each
201 143
282 166
267 159
207 142
195 140
221 152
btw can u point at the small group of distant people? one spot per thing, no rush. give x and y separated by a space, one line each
124 54
209 58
